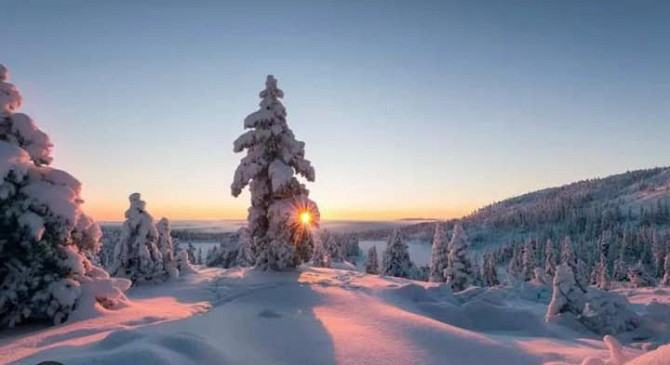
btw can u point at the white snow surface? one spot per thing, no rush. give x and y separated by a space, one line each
318 316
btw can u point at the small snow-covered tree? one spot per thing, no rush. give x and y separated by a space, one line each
46 240
320 255
549 259
567 296
166 248
489 273
514 268
395 261
333 246
460 270
352 249
136 255
666 268
439 254
528 260
372 264
245 256
281 210
601 278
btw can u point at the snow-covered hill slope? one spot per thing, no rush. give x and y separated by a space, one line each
311 316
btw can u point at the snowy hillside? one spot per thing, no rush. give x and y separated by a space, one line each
320 316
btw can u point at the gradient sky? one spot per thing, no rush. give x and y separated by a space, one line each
407 108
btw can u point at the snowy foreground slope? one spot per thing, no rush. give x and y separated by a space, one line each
319 316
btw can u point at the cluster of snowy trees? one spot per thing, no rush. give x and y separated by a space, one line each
144 251
638 256
450 259
46 240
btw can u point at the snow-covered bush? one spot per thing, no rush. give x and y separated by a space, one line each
395 260
46 241
137 255
281 211
439 254
372 263
459 271
608 313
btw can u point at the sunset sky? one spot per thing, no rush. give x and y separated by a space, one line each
407 108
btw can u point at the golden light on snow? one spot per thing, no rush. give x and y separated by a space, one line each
305 217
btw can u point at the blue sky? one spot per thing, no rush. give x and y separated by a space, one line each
407 108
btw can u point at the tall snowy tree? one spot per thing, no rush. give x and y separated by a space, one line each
136 254
372 263
600 275
439 254
281 211
460 271
395 261
489 273
515 266
46 240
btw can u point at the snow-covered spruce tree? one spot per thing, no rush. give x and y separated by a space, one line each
439 254
600 275
666 267
489 273
567 296
333 246
281 211
460 271
320 256
514 267
549 259
46 241
166 248
528 260
136 254
395 260
372 263
620 270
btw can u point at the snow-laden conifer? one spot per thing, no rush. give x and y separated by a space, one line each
529 262
666 267
460 268
567 296
166 247
489 273
278 199
245 256
439 254
136 254
46 240
395 260
320 255
549 259
372 263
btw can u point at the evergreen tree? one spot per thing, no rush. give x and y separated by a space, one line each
281 211
136 254
439 254
166 248
460 269
46 240
320 255
601 277
395 260
666 268
528 260
549 259
372 264
639 277
567 296
489 273
620 270
515 266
